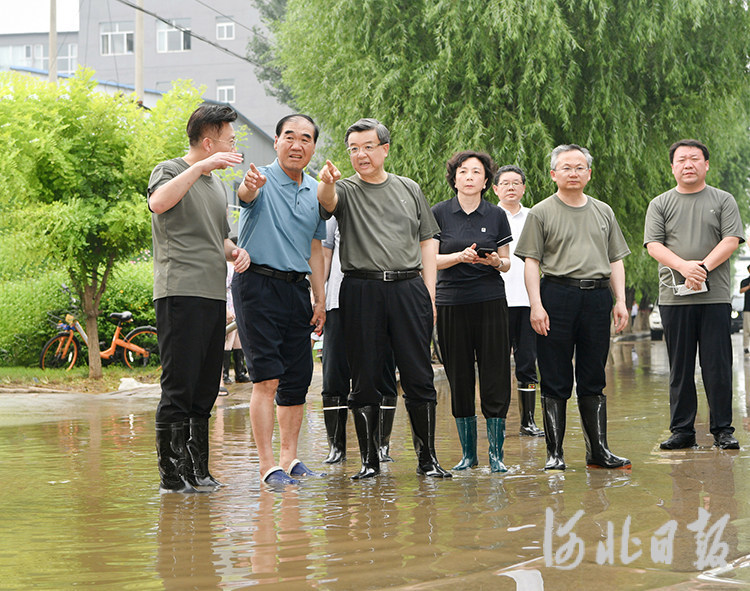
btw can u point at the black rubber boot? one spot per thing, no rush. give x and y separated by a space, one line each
240 371
467 435
367 425
553 411
526 403
335 413
422 418
172 458
594 422
196 435
387 414
225 369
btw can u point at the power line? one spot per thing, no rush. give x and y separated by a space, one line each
189 32
226 16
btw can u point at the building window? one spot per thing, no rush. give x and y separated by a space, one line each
67 59
170 38
116 38
225 91
224 28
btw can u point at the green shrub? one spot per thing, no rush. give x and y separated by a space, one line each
24 324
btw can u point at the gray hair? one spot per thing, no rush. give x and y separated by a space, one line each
568 148
384 136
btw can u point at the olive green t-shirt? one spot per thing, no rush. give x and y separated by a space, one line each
189 258
574 242
691 225
382 225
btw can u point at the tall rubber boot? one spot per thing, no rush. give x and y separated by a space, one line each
553 412
196 435
467 435
422 418
335 413
387 414
526 403
225 369
367 425
172 458
594 422
240 371
496 438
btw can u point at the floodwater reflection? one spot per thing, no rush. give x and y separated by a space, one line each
81 506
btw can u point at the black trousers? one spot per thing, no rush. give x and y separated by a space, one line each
336 373
476 332
579 327
191 346
523 344
705 329
382 313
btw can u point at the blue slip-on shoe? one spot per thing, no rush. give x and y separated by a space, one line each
276 478
298 469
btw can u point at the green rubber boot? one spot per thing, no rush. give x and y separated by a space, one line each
467 435
496 438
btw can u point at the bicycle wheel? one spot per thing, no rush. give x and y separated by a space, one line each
60 351
145 338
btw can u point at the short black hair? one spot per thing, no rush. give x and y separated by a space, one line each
283 120
459 158
689 144
208 116
509 168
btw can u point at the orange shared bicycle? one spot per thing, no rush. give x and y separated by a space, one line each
139 348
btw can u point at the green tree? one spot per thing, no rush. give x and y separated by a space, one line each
261 50
517 77
79 162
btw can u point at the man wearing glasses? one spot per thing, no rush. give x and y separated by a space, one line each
281 229
509 185
191 246
388 257
692 230
576 243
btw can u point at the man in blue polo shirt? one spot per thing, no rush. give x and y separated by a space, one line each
281 229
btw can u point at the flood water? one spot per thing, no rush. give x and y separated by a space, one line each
80 506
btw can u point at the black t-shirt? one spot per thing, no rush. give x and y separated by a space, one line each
744 283
487 226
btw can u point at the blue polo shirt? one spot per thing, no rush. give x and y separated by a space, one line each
467 283
277 227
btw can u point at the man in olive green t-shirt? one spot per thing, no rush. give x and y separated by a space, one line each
692 230
188 206
388 257
575 241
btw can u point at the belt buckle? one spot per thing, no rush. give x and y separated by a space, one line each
587 284
390 275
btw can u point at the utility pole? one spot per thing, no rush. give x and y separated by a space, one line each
139 52
52 68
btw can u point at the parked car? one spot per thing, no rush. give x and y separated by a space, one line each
657 330
654 324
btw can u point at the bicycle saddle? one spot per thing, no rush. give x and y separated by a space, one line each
121 316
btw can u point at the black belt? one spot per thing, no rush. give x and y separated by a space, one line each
288 276
579 283
383 275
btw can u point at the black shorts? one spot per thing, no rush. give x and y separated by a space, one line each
273 320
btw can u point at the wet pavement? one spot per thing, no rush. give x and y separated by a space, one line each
80 504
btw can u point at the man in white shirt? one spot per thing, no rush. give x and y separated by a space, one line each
509 185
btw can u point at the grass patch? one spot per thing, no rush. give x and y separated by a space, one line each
75 380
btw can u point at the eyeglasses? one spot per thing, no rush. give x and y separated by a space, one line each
569 170
506 184
231 142
367 149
